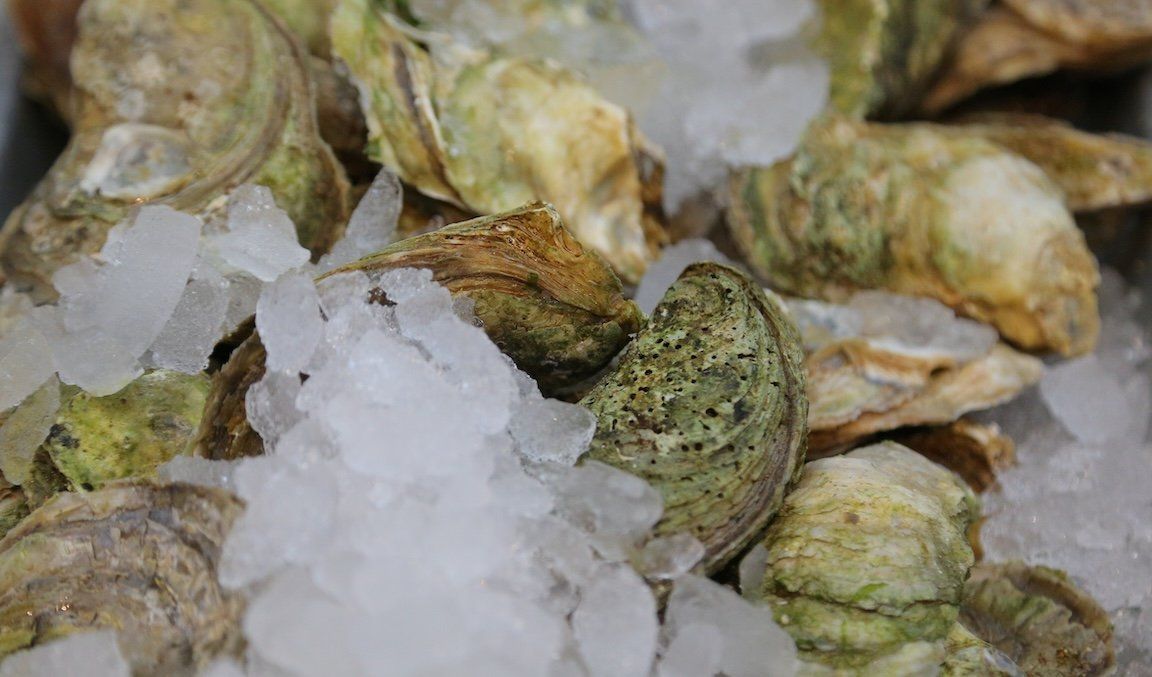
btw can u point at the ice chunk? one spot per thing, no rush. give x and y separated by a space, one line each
109 315
616 509
615 624
260 239
752 568
243 294
26 361
288 317
751 645
223 667
95 654
373 223
22 433
271 404
673 260
551 430
195 326
1087 399
669 557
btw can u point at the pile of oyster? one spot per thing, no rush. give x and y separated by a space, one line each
797 397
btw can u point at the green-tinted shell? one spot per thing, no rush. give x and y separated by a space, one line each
178 102
137 558
1039 618
970 656
916 210
489 133
13 506
866 560
128 434
707 404
550 304
884 53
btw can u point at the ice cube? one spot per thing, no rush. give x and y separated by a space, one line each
615 625
85 653
260 239
288 318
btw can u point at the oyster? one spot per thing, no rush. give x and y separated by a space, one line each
136 558
884 361
1094 171
177 102
489 133
13 506
707 404
866 561
915 210
972 450
1039 618
551 305
883 54
94 440
1027 38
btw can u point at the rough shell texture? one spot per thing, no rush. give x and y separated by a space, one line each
915 210
867 558
884 53
1039 618
170 111
551 305
1095 171
128 434
490 133
707 404
13 506
137 558
1108 23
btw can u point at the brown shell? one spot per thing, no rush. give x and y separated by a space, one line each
137 558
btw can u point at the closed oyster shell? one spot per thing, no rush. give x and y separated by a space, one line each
551 305
866 561
1027 38
136 558
1039 618
915 210
1095 171
707 404
489 133
883 54
177 102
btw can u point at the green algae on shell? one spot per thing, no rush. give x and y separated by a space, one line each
138 558
707 404
1039 618
128 434
177 102
866 561
489 133
552 305
915 210
883 54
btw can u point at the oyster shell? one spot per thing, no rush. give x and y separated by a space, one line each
707 404
94 440
866 206
13 506
136 558
866 561
1027 38
177 102
1039 618
1095 171
489 133
883 54
972 450
551 305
